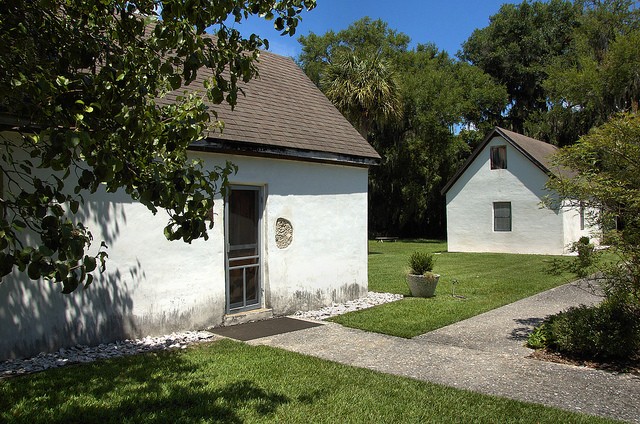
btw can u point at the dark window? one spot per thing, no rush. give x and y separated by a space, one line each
499 157
502 216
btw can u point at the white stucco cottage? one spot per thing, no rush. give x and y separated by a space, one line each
493 201
291 235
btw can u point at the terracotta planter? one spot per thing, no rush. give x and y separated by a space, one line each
423 285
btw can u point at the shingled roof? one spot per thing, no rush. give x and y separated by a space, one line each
536 151
283 114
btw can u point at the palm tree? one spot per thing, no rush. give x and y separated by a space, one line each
365 90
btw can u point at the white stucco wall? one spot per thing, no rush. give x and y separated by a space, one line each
154 286
327 207
470 208
572 227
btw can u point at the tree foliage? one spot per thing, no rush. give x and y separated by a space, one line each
598 77
408 104
82 85
364 89
364 37
607 180
567 66
516 48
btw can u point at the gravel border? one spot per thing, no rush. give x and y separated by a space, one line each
180 340
372 299
84 354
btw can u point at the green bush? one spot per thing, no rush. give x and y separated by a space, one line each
420 262
539 338
585 263
610 330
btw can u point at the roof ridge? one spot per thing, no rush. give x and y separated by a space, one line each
537 151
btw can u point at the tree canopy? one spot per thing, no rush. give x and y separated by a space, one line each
551 70
408 103
364 37
598 77
364 89
80 83
567 66
606 181
516 48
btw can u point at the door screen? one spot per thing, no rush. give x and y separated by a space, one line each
243 249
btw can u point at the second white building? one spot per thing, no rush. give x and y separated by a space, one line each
494 200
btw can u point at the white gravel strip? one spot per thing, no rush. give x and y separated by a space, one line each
372 299
83 354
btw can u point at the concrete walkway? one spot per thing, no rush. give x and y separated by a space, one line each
484 354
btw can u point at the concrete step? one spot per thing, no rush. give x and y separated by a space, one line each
247 316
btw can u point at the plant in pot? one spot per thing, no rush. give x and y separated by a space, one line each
421 281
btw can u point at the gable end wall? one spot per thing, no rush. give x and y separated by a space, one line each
470 207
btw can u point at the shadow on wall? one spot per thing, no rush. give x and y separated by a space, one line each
37 317
105 216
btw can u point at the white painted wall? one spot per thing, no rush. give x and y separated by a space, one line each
327 207
572 227
154 286
470 207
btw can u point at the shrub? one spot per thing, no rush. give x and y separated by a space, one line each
586 263
610 330
420 262
539 338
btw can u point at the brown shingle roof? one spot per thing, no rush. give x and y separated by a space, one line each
283 109
536 151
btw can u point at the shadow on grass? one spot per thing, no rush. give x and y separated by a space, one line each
161 388
401 240
422 241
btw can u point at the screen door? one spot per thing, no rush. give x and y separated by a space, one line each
243 248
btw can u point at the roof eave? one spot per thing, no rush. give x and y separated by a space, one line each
519 148
268 151
468 162
476 152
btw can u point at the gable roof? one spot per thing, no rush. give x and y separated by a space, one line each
538 152
283 114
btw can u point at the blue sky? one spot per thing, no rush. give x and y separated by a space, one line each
447 23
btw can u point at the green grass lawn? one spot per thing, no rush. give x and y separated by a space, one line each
231 382
486 280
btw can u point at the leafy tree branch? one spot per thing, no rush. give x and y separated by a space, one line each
102 95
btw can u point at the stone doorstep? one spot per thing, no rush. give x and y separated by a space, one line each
247 316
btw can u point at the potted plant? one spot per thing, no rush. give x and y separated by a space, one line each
421 281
